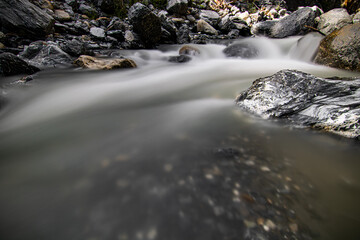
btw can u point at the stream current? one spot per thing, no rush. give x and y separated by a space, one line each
162 152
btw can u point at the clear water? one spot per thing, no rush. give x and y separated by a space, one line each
131 154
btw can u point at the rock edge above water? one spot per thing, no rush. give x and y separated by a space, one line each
306 100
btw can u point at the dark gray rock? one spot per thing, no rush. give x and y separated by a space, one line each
74 47
183 35
117 24
117 34
226 25
330 105
88 11
46 55
10 64
24 19
177 6
241 50
296 23
341 48
180 59
145 23
109 6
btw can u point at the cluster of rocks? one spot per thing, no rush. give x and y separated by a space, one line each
54 33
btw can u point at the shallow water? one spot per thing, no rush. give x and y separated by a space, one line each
162 152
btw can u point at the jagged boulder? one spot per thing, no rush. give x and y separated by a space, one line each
211 17
10 64
204 27
296 23
103 64
24 19
46 55
330 105
333 19
145 23
340 49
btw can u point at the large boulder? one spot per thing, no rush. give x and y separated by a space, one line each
145 23
24 19
331 105
177 6
296 23
104 64
340 49
10 64
333 19
46 55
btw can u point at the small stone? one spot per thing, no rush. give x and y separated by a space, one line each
236 192
209 176
293 227
249 224
168 167
97 32
122 183
62 16
265 169
152 233
105 163
260 221
269 225
122 158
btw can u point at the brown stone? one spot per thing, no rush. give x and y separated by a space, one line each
62 16
189 50
103 64
340 49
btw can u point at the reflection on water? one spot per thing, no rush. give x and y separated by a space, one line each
162 152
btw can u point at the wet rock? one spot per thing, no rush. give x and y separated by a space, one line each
117 34
180 59
46 55
97 32
296 23
145 23
204 27
340 49
74 47
10 64
189 50
241 50
211 17
334 19
330 105
226 24
103 64
177 6
62 16
25 19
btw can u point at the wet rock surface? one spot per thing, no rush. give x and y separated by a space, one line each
340 49
11 64
324 104
25 19
241 50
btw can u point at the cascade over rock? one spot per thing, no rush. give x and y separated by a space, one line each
24 18
330 105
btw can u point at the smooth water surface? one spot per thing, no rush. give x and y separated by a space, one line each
162 152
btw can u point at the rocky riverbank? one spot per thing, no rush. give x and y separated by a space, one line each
53 33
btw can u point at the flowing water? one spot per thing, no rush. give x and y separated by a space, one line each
162 152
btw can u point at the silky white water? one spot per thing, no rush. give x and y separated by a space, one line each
97 155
